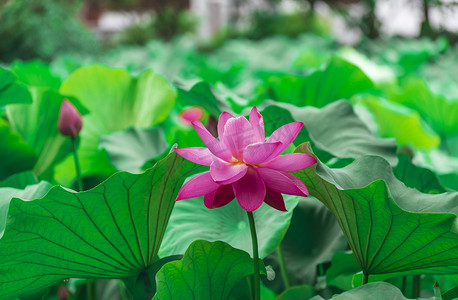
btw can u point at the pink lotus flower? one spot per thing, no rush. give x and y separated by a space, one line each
70 120
244 165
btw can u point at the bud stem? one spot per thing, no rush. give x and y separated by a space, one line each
77 165
284 272
254 239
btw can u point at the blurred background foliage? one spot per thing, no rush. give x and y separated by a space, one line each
45 28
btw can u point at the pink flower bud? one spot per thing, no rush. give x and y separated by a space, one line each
70 120
62 293
190 114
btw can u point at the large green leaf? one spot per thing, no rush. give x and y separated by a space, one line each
390 228
130 149
18 156
191 221
111 231
116 100
12 91
312 238
440 112
37 124
29 193
413 176
339 79
372 291
402 123
207 271
345 137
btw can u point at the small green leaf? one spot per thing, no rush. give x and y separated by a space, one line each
29 193
201 94
372 291
12 91
19 180
207 271
297 292
112 231
35 73
443 164
421 236
18 156
413 176
130 149
191 221
343 266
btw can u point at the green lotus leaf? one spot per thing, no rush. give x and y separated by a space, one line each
201 94
451 294
19 180
191 221
36 123
440 112
130 149
208 270
35 73
116 100
29 193
389 227
343 267
413 176
12 91
18 155
338 79
312 239
297 292
442 163
402 123
372 291
112 231
345 137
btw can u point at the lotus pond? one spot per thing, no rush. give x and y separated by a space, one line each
279 169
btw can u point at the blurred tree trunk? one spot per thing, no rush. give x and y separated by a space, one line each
426 28
371 24
236 12
312 6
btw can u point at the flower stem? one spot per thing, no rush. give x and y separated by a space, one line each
254 239
365 278
90 284
416 286
281 261
77 166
